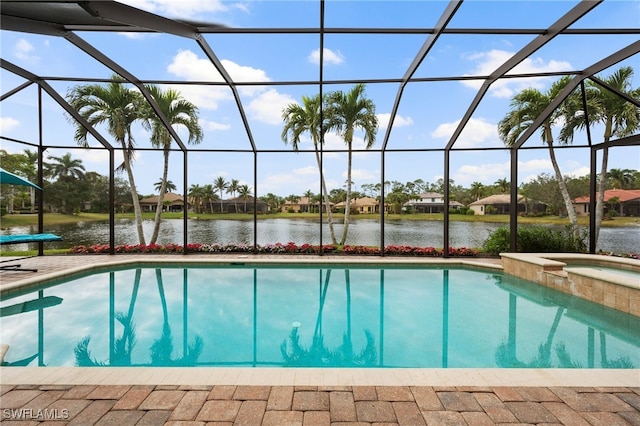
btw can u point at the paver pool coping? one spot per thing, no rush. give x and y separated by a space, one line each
55 267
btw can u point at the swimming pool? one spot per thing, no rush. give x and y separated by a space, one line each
300 316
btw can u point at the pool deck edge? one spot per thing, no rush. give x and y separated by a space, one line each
318 376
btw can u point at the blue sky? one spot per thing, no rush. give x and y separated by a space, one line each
427 116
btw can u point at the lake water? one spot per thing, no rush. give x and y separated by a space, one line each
270 231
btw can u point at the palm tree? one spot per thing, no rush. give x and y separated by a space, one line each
30 172
196 192
526 107
620 178
348 112
306 119
208 195
619 117
502 185
118 108
178 112
245 192
168 186
234 186
221 185
65 167
67 172
477 189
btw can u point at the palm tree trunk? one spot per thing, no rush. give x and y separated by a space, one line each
134 195
347 210
32 195
163 189
573 219
163 298
326 201
602 185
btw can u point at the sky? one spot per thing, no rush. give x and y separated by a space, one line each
427 115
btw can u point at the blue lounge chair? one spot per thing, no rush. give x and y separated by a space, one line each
24 238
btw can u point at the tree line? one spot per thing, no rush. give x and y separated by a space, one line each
70 188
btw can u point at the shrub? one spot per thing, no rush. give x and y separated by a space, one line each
289 248
536 239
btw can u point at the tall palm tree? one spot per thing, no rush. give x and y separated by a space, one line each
208 195
305 118
31 174
67 172
168 186
117 107
178 112
348 112
526 106
245 192
196 193
221 185
619 117
65 167
620 178
234 186
477 189
502 185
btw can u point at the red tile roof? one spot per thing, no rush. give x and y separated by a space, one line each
623 195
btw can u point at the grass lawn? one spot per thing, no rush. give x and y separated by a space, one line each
12 220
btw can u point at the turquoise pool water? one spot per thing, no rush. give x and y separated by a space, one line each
295 316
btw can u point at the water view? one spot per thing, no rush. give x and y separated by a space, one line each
361 232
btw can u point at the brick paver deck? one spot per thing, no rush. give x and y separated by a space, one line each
308 405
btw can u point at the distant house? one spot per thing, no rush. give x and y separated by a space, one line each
303 205
430 202
500 204
628 202
364 205
172 203
239 205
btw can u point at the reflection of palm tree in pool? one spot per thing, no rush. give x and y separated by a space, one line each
122 347
620 362
506 355
162 348
318 354
120 351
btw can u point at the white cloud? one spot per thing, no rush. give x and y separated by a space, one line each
187 65
399 121
329 57
98 159
267 107
529 170
306 171
359 176
477 133
213 125
7 124
25 51
488 62
578 172
537 165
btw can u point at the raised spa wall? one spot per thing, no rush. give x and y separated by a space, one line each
554 270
